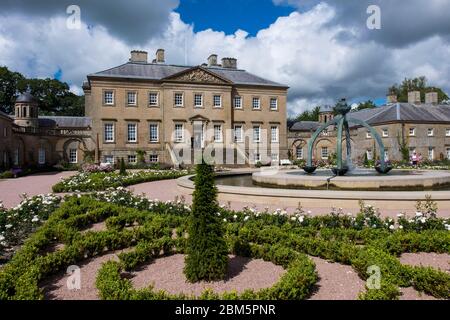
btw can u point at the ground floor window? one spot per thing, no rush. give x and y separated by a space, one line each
386 155
448 153
431 153
275 157
154 158
324 152
257 157
109 159
41 156
369 154
16 157
132 159
299 152
73 156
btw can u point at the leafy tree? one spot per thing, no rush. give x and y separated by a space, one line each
207 252
365 105
141 156
416 84
54 96
309 115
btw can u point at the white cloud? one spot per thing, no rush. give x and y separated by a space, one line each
320 60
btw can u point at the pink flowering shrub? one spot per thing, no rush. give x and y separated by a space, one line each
93 168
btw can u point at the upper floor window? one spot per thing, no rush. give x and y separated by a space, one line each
368 134
430 132
109 132
131 98
217 103
153 99
132 132
256 103
274 134
237 102
154 134
108 97
412 132
198 100
218 137
385 133
447 132
178 100
273 104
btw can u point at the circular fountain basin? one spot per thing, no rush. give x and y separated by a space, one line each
360 179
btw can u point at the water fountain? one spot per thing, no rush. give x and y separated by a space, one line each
342 121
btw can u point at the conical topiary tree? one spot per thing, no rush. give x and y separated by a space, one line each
122 168
207 252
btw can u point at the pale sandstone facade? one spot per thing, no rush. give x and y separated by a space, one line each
217 108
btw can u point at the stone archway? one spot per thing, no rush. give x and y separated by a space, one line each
18 152
299 143
319 148
73 144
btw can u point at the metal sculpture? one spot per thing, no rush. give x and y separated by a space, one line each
342 120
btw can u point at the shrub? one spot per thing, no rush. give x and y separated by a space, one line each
122 170
207 253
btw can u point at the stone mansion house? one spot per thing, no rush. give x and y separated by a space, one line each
165 112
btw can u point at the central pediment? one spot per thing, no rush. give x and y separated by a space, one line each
198 75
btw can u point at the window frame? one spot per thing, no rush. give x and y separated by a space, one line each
259 133
302 153
175 99
153 155
221 133
237 98
129 124
181 140
113 98
254 99
385 133
276 103
42 156
132 156
277 129
198 106
412 132
70 156
150 125
241 140
156 105
109 156
113 140
127 98
327 156
220 101
430 132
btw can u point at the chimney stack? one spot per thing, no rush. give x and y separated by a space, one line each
139 56
212 60
414 97
160 56
229 63
431 98
391 98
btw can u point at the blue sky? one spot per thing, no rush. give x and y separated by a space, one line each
231 15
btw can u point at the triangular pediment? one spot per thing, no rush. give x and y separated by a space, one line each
198 75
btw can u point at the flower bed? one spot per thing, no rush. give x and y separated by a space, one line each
97 181
359 241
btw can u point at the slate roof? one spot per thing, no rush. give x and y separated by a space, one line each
26 97
397 112
64 122
305 126
152 71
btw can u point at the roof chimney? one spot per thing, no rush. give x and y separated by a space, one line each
160 56
139 56
391 98
431 98
230 63
414 97
212 60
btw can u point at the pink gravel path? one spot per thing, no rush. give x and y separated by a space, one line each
167 274
55 287
168 190
434 260
96 227
336 281
12 189
413 294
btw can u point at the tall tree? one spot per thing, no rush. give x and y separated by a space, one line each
309 115
55 97
365 105
207 252
416 84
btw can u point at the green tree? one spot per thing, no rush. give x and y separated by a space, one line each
416 84
207 252
365 105
309 115
55 97
9 84
122 170
141 156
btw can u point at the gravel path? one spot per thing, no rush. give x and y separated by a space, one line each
12 189
336 281
167 274
434 260
168 190
55 287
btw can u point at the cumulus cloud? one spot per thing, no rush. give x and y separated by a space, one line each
321 59
132 21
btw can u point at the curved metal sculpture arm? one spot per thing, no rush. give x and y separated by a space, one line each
316 135
376 137
339 143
